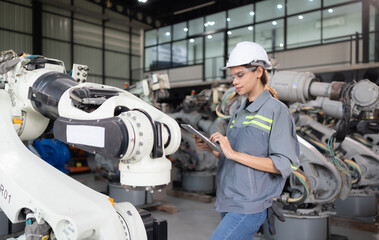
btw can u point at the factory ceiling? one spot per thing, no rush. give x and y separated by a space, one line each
157 13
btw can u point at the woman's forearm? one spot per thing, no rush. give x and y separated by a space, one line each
259 163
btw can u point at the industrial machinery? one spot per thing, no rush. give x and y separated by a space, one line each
197 169
329 176
152 89
362 163
35 95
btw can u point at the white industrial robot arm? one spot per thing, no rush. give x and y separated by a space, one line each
94 117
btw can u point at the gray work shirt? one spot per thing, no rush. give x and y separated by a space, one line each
264 129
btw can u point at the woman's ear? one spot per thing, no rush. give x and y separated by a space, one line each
259 71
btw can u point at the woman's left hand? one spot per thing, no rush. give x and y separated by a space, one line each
224 144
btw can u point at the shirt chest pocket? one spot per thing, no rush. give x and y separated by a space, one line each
252 140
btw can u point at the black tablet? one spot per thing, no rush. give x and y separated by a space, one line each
190 129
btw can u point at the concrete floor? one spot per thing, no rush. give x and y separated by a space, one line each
197 220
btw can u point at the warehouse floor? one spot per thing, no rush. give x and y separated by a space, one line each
197 220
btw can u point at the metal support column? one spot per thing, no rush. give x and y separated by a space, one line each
365 31
37 27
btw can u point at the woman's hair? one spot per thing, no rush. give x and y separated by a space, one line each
264 79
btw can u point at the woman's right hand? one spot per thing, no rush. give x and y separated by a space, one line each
203 146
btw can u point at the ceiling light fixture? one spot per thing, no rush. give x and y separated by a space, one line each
229 32
279 6
142 1
228 19
192 40
330 10
193 8
252 13
300 17
274 23
250 28
185 29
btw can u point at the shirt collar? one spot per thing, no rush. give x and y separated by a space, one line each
259 101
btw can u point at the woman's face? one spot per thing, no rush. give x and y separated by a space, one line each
247 80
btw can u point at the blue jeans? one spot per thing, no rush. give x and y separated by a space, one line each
238 226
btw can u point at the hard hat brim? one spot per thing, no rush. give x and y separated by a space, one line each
262 64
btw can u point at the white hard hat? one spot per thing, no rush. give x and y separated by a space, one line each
248 53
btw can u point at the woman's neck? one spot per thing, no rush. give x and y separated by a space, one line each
256 92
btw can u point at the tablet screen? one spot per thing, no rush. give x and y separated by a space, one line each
190 129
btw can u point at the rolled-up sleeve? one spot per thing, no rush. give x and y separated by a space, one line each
284 148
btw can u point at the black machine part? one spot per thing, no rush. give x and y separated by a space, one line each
86 96
47 90
116 138
155 229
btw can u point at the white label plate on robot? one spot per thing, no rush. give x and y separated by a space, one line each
86 135
192 130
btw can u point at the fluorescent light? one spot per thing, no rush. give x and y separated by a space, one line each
167 34
192 40
228 19
209 36
279 6
229 33
252 13
330 10
209 23
250 28
300 17
193 8
185 29
274 23
142 1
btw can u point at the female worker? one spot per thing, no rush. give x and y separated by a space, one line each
257 151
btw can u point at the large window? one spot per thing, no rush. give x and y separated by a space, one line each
341 21
270 35
238 35
180 31
164 34
164 55
241 16
269 9
215 21
303 30
151 37
196 26
214 56
195 50
151 55
333 2
277 25
297 6
179 53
